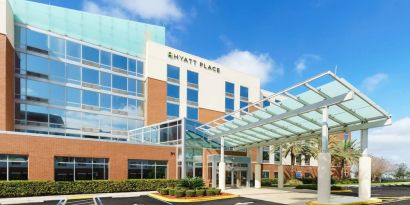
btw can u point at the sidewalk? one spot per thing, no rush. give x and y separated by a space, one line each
39 199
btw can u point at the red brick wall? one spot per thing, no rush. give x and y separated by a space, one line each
42 150
6 84
156 108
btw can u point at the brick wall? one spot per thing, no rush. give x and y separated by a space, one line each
6 84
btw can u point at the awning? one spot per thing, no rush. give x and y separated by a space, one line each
296 114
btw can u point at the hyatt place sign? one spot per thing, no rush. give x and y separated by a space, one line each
193 62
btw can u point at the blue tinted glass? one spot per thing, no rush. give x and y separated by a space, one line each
37 64
73 73
172 72
20 61
229 87
91 54
105 80
105 101
37 40
132 65
105 58
90 76
119 103
243 104
119 123
140 108
119 61
244 92
192 95
140 68
57 117
192 113
20 36
90 98
90 120
37 113
57 96
132 106
266 103
57 71
192 77
119 82
37 89
57 47
73 51
172 91
73 120
140 88
172 110
229 105
73 97
132 85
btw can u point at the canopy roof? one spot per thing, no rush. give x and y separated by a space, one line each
296 114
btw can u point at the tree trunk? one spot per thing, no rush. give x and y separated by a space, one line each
343 169
292 167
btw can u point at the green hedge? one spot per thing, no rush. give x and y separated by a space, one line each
41 188
314 187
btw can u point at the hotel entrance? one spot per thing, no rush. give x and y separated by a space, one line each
237 170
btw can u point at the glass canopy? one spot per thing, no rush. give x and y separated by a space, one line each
296 114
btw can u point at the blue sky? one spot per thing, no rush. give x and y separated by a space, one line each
289 41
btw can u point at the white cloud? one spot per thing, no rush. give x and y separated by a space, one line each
302 62
392 142
372 82
259 65
160 10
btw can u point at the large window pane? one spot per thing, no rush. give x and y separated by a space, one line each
192 77
132 86
148 172
73 97
105 101
244 91
73 74
37 114
105 59
192 113
192 95
3 169
161 172
57 117
91 54
90 76
64 169
37 90
91 120
37 40
57 71
37 64
57 47
119 123
229 104
83 169
57 94
90 98
119 103
140 88
119 82
105 124
132 107
172 110
172 72
140 68
132 66
119 62
173 91
18 167
73 51
105 81
229 88
73 120
20 36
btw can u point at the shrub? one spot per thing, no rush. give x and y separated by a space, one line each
164 191
41 188
346 181
217 191
191 183
190 193
200 192
309 180
294 182
210 192
269 182
172 192
179 193
314 187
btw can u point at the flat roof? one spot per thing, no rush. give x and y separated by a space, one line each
296 114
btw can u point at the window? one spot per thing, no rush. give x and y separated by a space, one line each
132 86
90 76
173 91
105 81
73 74
276 174
173 72
105 60
244 93
266 103
105 102
132 106
192 95
76 168
91 54
132 66
73 119
119 103
37 40
119 82
192 78
265 174
229 89
37 65
73 51
265 154
243 104
298 159
13 167
73 97
119 123
57 94
90 98
57 71
229 104
37 91
57 118
147 169
20 36
140 68
172 110
57 47
119 62
307 160
277 154
38 114
140 88
192 113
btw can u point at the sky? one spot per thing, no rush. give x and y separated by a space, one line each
283 42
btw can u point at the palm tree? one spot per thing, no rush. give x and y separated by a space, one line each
344 152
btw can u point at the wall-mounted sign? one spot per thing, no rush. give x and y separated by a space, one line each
193 62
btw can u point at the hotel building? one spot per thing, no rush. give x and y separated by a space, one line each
87 97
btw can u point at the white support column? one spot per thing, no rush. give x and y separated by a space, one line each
232 179
214 174
222 166
258 167
249 171
365 164
281 175
183 162
238 179
324 162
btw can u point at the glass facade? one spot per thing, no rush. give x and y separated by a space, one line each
166 133
147 169
192 95
79 168
13 167
173 100
68 88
